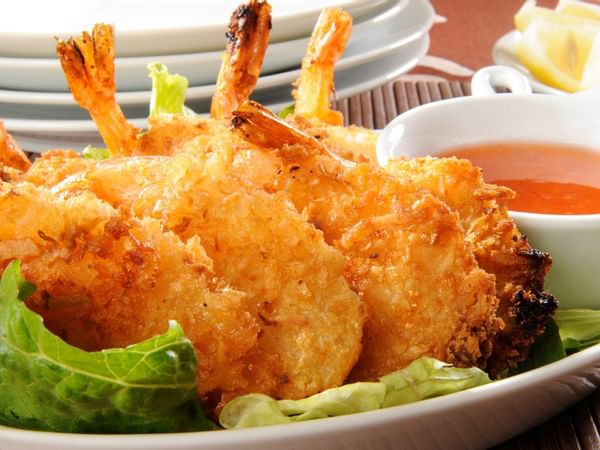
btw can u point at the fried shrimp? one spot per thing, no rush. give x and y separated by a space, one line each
247 41
352 142
88 64
315 88
310 320
499 247
89 67
406 253
105 280
292 262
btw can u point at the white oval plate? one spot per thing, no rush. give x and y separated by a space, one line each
477 418
45 74
41 135
150 27
402 23
504 53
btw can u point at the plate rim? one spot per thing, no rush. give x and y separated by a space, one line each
136 38
585 359
198 92
53 128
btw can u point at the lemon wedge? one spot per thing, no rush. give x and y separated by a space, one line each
529 12
577 8
591 72
556 53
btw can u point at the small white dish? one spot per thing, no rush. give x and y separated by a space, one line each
155 27
402 21
573 241
504 53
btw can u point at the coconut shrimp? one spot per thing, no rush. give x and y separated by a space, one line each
247 41
88 64
107 280
310 321
315 87
499 247
89 67
406 252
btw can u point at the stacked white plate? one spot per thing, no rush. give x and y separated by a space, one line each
188 36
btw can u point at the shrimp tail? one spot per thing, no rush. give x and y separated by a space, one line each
247 41
88 64
315 86
259 126
11 155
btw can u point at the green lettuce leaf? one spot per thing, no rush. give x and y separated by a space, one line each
578 328
289 109
427 378
168 91
47 384
424 378
98 153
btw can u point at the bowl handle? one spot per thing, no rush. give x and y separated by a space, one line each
486 80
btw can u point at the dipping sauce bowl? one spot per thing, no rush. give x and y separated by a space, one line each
573 241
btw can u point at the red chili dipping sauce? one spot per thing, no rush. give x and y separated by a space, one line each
548 178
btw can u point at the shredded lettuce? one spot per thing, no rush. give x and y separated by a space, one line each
424 378
168 91
427 378
91 152
289 109
47 384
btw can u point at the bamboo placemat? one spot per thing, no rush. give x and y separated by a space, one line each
377 107
576 428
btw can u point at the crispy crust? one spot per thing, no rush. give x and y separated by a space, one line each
406 251
499 247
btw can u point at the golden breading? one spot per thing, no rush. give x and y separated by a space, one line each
407 255
499 247
53 166
352 143
406 252
108 281
247 41
311 321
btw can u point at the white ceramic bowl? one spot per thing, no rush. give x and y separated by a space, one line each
573 241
